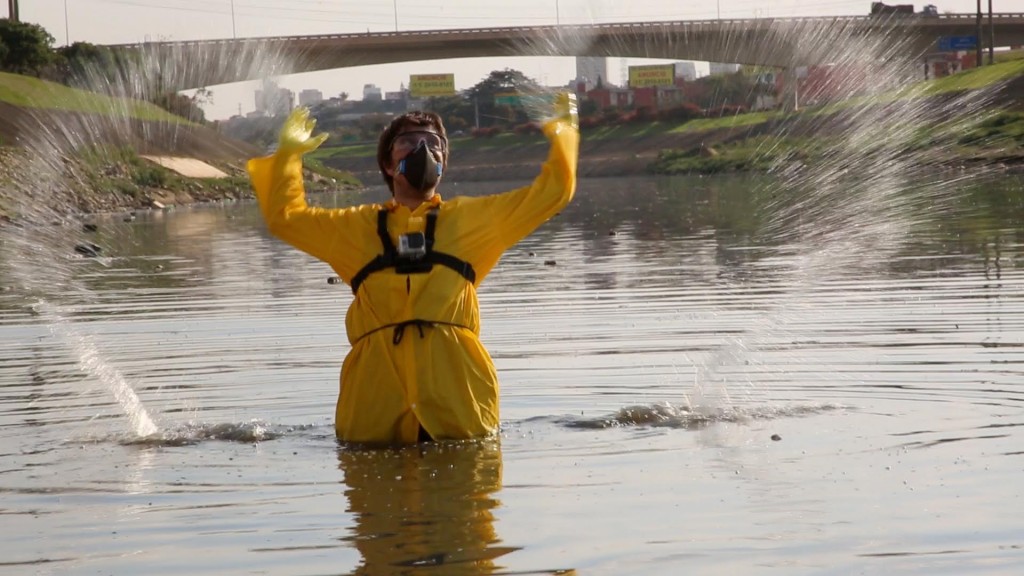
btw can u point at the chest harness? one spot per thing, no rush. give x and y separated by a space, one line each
405 264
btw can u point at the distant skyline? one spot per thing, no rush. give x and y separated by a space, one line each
131 21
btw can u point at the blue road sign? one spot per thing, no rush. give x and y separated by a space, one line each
953 43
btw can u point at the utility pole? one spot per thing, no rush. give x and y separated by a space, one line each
977 34
991 36
12 10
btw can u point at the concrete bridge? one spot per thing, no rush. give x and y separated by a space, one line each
778 42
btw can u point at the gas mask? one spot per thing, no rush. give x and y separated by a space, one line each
420 168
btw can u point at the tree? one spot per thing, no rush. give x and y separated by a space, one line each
371 125
29 47
727 90
505 81
85 65
456 111
588 107
185 106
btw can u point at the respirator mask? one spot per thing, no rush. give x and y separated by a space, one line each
419 167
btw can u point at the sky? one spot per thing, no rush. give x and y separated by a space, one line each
131 21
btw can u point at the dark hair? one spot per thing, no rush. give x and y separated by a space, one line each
415 118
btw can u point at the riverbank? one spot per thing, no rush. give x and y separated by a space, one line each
86 162
108 174
749 142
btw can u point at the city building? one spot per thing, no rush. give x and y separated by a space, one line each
272 100
372 93
608 96
686 70
717 68
310 97
591 70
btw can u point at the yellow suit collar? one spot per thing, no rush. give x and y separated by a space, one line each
432 202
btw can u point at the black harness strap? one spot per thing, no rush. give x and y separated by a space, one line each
399 329
382 261
404 265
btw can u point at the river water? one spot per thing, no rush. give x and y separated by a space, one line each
680 393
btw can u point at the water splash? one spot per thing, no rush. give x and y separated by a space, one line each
97 128
92 362
683 417
875 178
251 432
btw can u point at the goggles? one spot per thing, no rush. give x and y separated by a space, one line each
407 141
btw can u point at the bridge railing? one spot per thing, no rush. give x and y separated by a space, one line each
585 28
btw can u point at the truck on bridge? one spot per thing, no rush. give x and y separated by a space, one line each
883 9
880 8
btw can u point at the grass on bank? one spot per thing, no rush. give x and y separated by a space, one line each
759 153
1000 131
317 167
975 78
122 172
114 172
29 92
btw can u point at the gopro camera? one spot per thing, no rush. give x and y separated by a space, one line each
412 245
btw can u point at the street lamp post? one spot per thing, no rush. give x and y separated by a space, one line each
977 34
12 10
558 20
396 14
991 36
234 31
67 33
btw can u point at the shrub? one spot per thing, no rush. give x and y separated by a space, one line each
681 113
486 132
725 110
527 128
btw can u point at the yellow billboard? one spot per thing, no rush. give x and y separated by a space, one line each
653 75
430 85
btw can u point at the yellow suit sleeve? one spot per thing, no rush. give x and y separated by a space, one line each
322 233
517 213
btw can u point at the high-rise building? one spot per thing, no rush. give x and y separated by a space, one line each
686 70
310 97
272 100
372 92
591 69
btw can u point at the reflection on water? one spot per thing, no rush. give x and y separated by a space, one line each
675 394
425 506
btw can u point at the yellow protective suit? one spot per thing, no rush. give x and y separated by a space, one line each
437 376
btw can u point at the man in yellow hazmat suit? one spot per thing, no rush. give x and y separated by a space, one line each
417 369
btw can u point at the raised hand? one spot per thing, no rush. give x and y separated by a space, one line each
566 109
296 135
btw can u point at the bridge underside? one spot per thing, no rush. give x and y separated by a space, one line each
783 44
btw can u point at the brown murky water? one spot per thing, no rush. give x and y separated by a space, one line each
680 394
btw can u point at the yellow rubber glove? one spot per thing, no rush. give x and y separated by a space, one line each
561 114
296 135
566 109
